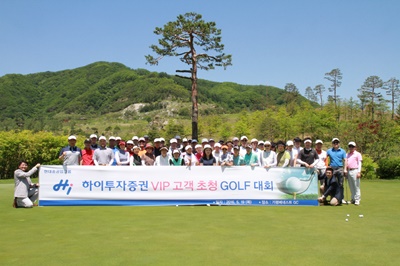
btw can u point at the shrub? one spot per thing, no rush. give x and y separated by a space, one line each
40 147
369 167
389 168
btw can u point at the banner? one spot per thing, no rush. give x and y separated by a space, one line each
169 185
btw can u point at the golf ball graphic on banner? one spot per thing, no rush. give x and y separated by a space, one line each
293 184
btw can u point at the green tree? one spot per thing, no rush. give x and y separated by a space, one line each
368 91
392 89
182 38
290 97
309 93
335 77
319 91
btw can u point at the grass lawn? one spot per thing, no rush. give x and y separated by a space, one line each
205 235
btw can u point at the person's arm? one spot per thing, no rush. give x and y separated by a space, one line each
131 163
128 159
22 174
95 159
112 158
333 187
345 164
117 159
255 161
274 160
359 166
62 154
293 163
316 161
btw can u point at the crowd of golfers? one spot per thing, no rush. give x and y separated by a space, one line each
333 166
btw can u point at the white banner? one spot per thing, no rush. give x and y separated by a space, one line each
168 185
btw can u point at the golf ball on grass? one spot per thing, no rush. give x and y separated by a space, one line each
293 184
208 205
347 220
348 215
361 216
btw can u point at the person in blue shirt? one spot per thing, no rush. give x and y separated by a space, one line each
338 162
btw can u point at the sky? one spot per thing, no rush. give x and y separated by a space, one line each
271 42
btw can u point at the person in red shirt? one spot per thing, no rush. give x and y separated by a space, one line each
87 154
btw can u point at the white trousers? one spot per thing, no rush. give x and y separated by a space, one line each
354 184
33 195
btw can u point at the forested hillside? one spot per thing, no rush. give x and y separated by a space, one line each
102 87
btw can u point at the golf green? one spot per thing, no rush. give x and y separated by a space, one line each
203 235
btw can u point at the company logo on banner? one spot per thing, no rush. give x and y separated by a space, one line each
166 185
63 185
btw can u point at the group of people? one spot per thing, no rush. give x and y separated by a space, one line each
333 165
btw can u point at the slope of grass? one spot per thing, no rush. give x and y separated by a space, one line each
204 235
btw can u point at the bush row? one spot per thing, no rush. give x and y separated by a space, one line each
43 147
40 147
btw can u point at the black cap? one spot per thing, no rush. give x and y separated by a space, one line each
297 139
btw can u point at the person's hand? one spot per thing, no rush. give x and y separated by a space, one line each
37 185
358 175
37 165
266 167
307 165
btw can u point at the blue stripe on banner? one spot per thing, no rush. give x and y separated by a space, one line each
232 202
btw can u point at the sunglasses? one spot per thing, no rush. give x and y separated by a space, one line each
351 146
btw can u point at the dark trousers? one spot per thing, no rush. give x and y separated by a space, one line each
338 172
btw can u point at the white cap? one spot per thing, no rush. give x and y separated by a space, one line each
142 139
335 139
211 140
176 151
243 137
93 136
254 140
261 142
135 147
173 141
289 143
184 140
162 139
102 137
72 137
157 140
204 140
308 140
112 137
318 141
135 138
235 139
198 146
118 138
207 146
218 145
189 147
267 143
352 143
129 142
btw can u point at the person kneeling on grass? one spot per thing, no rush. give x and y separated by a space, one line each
25 193
331 188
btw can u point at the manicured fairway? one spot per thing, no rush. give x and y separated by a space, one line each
205 235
